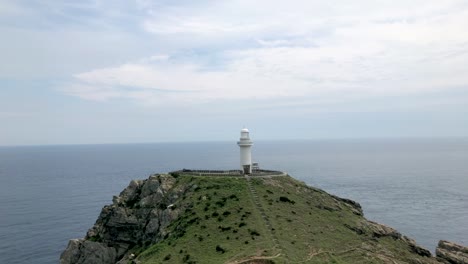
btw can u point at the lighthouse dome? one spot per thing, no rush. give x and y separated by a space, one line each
244 130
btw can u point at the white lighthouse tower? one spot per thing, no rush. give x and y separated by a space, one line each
245 145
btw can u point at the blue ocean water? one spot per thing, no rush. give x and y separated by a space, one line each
50 194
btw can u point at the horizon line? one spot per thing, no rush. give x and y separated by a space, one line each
229 140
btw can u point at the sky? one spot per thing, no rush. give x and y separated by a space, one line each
97 71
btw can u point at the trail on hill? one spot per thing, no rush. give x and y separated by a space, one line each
258 206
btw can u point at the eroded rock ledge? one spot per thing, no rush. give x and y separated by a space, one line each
452 253
136 218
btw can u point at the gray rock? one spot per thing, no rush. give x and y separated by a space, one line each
353 205
379 230
151 185
138 216
131 193
81 251
452 253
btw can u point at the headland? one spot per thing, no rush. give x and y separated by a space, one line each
191 216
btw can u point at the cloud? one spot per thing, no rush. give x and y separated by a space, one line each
166 81
275 50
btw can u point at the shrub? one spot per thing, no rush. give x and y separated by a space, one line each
167 257
226 213
221 203
193 220
220 249
222 228
254 232
285 199
186 258
96 238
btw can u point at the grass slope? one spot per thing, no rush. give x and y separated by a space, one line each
222 224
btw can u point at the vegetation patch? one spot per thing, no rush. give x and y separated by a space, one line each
220 249
224 225
285 199
209 219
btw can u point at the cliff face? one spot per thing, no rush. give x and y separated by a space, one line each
185 219
452 253
136 218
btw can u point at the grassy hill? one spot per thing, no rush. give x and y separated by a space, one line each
272 220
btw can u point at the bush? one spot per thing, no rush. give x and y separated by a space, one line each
193 220
254 232
221 203
220 249
174 174
226 213
167 257
96 238
285 199
222 228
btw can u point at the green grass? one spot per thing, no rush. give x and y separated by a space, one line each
303 229
221 224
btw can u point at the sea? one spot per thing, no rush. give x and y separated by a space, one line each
50 194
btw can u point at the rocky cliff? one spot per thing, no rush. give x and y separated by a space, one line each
452 253
186 219
137 217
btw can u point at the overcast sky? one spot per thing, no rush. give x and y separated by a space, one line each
74 72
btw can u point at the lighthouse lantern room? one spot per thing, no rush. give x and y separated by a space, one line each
245 145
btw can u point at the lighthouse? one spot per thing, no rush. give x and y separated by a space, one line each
245 145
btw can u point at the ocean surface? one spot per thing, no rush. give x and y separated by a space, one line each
50 194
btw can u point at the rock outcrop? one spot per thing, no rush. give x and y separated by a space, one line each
452 253
185 219
85 251
136 218
379 230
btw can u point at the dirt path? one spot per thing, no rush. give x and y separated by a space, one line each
258 206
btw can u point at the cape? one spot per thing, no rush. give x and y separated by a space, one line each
188 217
